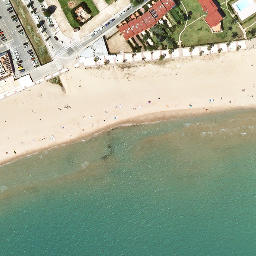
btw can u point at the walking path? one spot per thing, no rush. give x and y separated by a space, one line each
105 13
10 88
179 41
164 54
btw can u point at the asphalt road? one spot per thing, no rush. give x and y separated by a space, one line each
73 50
66 55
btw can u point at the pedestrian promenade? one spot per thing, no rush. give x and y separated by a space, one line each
162 54
9 87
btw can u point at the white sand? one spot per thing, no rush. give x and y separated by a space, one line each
96 98
117 44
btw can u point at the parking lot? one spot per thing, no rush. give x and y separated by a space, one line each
13 36
48 28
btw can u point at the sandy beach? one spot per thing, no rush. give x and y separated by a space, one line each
105 97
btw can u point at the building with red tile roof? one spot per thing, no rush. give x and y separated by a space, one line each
208 5
147 20
134 26
168 4
126 31
213 18
159 9
142 24
137 25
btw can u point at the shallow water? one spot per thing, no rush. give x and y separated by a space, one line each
182 187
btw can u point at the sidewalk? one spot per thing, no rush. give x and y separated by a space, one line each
10 87
155 55
106 12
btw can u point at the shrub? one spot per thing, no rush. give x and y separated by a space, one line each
162 56
209 47
136 2
50 10
191 48
171 50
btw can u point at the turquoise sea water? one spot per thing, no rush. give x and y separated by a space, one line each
185 187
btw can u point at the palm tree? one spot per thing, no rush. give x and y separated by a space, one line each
191 48
50 10
162 56
234 34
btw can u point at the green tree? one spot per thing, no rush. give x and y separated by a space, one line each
136 2
234 35
191 48
50 10
162 56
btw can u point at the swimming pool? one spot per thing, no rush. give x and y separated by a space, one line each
244 8
242 4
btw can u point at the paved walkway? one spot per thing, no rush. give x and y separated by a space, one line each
9 87
251 44
155 55
106 12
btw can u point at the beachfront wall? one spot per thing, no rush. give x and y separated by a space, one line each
162 54
26 82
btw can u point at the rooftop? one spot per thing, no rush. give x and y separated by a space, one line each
6 67
168 4
160 9
213 17
126 31
147 20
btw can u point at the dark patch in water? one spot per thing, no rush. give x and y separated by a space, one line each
109 153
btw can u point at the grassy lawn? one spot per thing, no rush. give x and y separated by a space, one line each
249 31
109 1
56 80
199 32
194 7
31 31
173 15
68 12
249 21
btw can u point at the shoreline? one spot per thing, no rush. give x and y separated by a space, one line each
102 99
146 119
